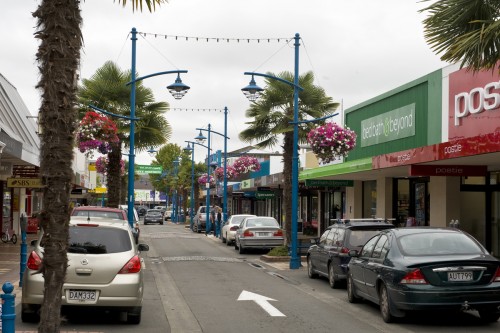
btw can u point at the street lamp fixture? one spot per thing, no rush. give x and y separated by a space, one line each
152 152
178 89
252 91
200 138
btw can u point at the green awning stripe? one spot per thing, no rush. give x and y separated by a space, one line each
362 164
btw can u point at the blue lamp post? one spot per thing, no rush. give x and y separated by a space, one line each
252 92
175 206
177 89
200 138
191 149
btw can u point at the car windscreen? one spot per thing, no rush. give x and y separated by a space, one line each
437 243
99 213
98 240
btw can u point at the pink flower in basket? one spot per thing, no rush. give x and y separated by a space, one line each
96 132
245 164
330 141
204 179
101 165
230 173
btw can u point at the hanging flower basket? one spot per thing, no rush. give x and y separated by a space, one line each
245 164
230 173
331 141
101 165
203 180
96 132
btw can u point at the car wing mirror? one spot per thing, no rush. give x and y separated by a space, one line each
314 241
353 253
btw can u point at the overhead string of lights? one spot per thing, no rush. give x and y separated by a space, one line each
216 39
196 109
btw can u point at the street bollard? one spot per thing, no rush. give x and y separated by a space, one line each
8 308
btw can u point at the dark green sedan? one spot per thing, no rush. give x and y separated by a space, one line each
424 268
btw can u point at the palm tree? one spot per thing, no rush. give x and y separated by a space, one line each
272 115
59 31
465 31
107 90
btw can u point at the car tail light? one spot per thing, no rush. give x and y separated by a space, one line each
248 233
234 228
414 277
496 278
278 233
34 261
344 250
132 266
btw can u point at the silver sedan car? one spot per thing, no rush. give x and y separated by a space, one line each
229 228
259 232
105 270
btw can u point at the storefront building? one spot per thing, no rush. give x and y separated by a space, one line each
427 153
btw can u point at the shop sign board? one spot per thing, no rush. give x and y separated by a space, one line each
449 170
24 182
329 182
473 103
264 195
481 144
393 125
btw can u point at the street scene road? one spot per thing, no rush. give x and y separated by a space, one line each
195 283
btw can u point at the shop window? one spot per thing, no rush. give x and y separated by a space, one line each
370 199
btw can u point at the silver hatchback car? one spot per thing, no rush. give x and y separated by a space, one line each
258 232
105 270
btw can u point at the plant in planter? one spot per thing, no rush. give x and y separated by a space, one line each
204 178
245 164
96 132
230 173
331 141
102 162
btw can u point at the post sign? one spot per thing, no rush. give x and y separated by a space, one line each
148 169
329 182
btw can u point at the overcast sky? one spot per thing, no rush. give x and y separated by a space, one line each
357 49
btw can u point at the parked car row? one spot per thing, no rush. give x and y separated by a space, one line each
408 269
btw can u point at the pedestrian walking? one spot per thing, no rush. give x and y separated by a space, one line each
218 223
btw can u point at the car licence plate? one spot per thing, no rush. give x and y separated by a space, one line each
264 234
460 276
82 296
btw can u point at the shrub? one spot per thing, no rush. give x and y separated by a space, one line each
279 251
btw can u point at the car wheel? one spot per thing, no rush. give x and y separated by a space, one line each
241 249
334 283
385 305
161 223
235 245
195 227
228 243
310 269
351 291
489 315
134 317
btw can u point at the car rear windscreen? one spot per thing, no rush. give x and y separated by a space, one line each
98 240
99 213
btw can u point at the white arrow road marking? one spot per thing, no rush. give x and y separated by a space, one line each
263 301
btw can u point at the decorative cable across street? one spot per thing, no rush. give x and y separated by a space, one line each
196 109
202 258
216 39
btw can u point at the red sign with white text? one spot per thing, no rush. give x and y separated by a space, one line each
474 103
481 144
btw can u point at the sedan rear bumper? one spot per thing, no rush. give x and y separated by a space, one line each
260 243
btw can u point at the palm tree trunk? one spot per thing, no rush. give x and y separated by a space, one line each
287 184
59 30
113 170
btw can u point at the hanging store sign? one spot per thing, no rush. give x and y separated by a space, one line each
24 182
264 195
329 182
449 170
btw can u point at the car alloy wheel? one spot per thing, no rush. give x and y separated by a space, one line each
310 269
385 308
351 292
242 250
489 315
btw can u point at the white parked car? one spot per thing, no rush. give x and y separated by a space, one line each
105 270
167 215
229 228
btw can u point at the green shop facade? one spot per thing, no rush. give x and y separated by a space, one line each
427 153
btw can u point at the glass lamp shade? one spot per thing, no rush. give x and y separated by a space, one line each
252 91
178 89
